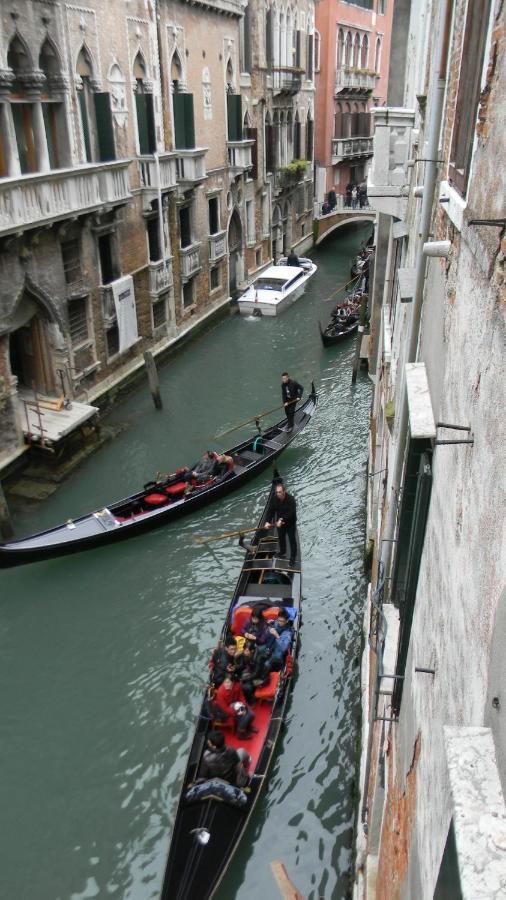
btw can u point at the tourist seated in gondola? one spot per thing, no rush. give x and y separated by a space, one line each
250 670
202 471
223 661
218 760
230 699
223 466
278 644
255 628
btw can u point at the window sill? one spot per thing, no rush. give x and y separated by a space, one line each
455 206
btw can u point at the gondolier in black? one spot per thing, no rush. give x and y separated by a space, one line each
291 391
282 512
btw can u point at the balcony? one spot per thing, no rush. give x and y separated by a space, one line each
190 165
160 276
239 156
190 260
153 177
351 79
286 79
350 148
217 246
388 179
44 197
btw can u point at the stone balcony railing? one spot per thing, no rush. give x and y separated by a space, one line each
352 79
190 260
160 276
286 79
30 200
239 155
348 148
190 165
153 175
388 177
217 246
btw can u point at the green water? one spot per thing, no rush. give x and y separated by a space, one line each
103 654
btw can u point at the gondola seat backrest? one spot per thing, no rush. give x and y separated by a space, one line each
155 499
268 691
242 613
176 489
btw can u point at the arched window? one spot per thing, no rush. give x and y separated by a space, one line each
86 99
348 50
53 111
230 77
176 73
270 144
346 120
309 137
18 56
356 51
297 143
365 52
355 120
289 38
282 139
20 61
377 59
289 136
281 41
144 107
182 107
338 121
340 49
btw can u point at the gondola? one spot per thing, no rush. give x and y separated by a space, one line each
337 330
158 502
211 817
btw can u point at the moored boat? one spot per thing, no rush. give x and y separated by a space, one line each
338 330
212 815
276 288
159 501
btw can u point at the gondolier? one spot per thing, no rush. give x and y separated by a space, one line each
282 511
291 391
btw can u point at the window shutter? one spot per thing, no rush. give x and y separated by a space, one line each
252 135
189 121
234 112
247 39
142 122
179 129
296 141
105 131
310 56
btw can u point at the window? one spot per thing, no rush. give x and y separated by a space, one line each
309 139
364 52
214 215
22 114
377 58
214 278
185 226
382 7
473 51
153 232
112 340
107 254
245 40
144 108
189 294
160 311
270 146
317 51
269 37
78 320
340 48
184 128
250 222
71 261
258 258
234 117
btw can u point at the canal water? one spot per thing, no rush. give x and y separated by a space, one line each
103 655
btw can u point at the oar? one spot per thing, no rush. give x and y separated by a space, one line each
226 534
255 418
341 288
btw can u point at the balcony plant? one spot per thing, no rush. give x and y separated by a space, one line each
294 170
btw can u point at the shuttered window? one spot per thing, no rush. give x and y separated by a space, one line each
78 321
183 121
105 130
234 117
145 122
269 38
71 261
252 135
309 66
473 50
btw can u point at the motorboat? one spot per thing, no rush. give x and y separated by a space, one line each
276 288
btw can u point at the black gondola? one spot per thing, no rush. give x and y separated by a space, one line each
338 330
158 502
210 821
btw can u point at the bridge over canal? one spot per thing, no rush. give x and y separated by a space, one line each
324 225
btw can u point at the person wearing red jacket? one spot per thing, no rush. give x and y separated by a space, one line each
231 700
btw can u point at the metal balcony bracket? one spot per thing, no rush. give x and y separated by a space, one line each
499 223
467 428
425 671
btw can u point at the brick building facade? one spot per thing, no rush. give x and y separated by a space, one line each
145 152
431 818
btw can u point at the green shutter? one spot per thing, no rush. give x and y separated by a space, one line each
188 121
184 132
142 123
150 121
105 131
234 111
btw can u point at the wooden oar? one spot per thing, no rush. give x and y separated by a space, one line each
341 288
285 884
226 534
255 418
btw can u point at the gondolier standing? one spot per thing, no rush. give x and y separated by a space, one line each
291 391
282 512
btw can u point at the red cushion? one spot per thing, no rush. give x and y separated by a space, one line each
268 690
240 617
174 490
155 499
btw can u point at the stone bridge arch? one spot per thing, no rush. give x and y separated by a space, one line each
326 226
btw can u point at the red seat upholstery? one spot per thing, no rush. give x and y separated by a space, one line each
155 499
267 691
175 490
239 619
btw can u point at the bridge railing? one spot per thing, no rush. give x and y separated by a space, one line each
343 206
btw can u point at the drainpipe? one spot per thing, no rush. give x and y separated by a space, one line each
438 87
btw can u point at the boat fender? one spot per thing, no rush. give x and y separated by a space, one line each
216 789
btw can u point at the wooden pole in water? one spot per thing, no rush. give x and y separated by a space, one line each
360 334
286 887
154 384
6 528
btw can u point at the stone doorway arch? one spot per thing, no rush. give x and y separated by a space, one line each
34 333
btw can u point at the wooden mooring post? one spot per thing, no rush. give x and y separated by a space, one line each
6 529
154 384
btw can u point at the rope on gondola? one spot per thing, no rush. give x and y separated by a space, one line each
341 287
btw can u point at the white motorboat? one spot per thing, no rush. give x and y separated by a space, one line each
276 288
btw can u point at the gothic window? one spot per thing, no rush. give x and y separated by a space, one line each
364 52
377 59
340 48
146 133
348 50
